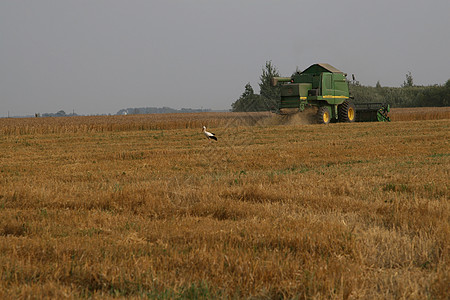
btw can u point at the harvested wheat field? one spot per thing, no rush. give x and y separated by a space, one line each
147 207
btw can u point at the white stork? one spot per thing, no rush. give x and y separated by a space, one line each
209 135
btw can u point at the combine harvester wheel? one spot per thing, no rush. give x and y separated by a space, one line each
323 115
347 112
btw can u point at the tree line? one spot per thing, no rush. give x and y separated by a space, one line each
405 96
408 95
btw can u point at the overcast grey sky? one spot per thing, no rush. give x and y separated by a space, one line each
99 56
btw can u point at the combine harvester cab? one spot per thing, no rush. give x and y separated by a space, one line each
324 87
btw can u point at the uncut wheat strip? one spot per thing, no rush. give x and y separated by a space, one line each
419 113
28 126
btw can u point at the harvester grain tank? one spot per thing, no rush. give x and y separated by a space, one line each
325 87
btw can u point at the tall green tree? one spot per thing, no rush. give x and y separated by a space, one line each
409 80
270 94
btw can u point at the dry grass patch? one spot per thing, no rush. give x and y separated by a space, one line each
270 211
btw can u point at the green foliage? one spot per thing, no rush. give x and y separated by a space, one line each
249 101
270 94
268 97
409 80
405 96
434 96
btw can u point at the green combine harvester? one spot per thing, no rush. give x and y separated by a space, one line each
325 87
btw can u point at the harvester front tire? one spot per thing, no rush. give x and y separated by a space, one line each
323 115
347 112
